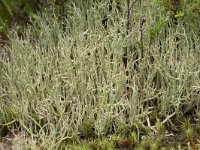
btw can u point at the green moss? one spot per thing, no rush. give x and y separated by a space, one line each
145 143
87 128
154 146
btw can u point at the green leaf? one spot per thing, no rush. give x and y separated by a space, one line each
157 27
180 14
6 5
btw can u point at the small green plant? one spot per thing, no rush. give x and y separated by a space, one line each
198 122
145 143
154 146
105 144
156 28
87 128
134 138
121 142
160 127
198 117
187 129
92 144
124 129
189 132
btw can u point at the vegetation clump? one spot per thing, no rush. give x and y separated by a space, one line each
102 75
